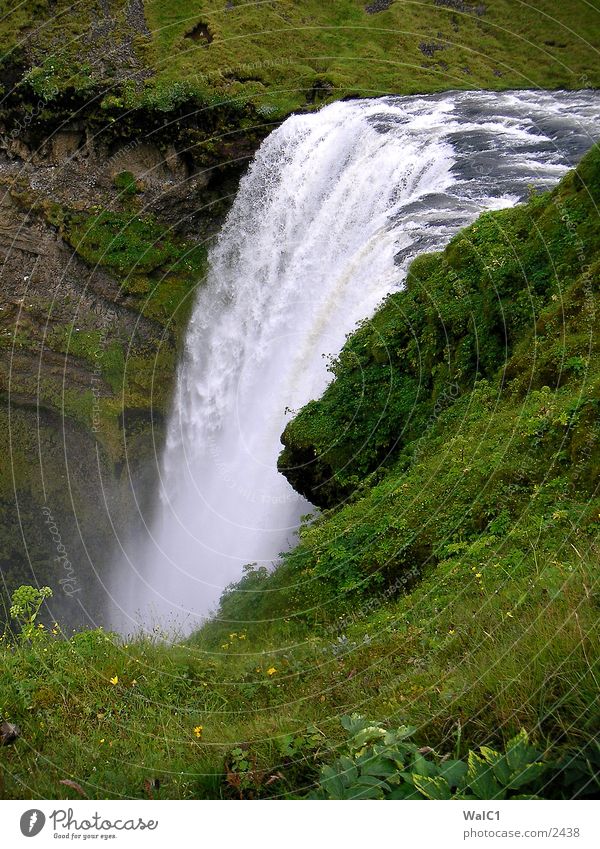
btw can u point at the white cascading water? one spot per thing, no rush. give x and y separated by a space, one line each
325 223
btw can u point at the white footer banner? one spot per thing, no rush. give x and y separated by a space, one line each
286 824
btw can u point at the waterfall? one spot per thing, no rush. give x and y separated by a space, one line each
333 208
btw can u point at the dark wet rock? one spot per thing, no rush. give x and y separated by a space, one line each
430 48
201 34
378 6
478 9
9 732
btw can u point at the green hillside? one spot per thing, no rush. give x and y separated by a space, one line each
450 583
124 128
284 54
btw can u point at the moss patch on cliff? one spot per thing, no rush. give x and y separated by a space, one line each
155 266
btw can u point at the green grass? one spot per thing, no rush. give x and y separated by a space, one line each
451 581
455 589
282 55
287 48
500 655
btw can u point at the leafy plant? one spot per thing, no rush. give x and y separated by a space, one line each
25 607
386 764
244 776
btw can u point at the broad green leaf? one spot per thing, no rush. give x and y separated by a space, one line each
392 738
405 791
379 767
365 729
348 770
398 754
421 766
498 763
526 776
525 796
358 793
371 734
355 723
368 787
332 783
519 753
480 779
453 771
433 788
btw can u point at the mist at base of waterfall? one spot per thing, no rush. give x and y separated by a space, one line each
325 223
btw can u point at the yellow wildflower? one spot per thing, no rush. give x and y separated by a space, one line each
114 680
478 575
198 731
271 670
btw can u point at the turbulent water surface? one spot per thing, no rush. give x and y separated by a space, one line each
325 223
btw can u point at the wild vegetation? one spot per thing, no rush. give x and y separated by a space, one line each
435 631
195 85
282 55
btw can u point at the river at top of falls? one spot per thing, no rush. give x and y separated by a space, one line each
332 210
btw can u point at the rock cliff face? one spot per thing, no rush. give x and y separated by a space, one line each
103 241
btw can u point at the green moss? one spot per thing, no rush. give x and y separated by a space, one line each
152 264
127 184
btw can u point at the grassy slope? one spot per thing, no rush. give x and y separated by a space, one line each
281 54
464 314
286 48
456 590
